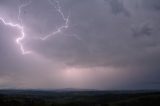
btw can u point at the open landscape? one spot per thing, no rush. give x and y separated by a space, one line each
79 52
78 98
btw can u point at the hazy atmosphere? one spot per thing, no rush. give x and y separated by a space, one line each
91 44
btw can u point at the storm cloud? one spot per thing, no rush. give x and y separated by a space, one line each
119 39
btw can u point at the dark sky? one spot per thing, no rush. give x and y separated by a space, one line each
109 44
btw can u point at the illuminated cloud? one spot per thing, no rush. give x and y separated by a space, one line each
100 44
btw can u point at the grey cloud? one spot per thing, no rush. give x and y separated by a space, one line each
105 39
96 38
142 30
152 4
117 7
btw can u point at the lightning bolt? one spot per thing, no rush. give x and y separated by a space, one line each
23 35
18 27
19 39
20 10
21 29
65 19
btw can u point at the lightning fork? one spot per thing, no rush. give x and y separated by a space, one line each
19 27
20 10
65 19
23 35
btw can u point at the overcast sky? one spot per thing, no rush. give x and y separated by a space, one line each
109 44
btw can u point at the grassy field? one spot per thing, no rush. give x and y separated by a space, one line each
78 98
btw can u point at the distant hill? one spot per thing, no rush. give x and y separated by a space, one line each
79 97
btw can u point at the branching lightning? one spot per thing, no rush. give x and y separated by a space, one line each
65 19
21 29
19 39
20 10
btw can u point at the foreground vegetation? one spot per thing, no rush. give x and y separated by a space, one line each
78 98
